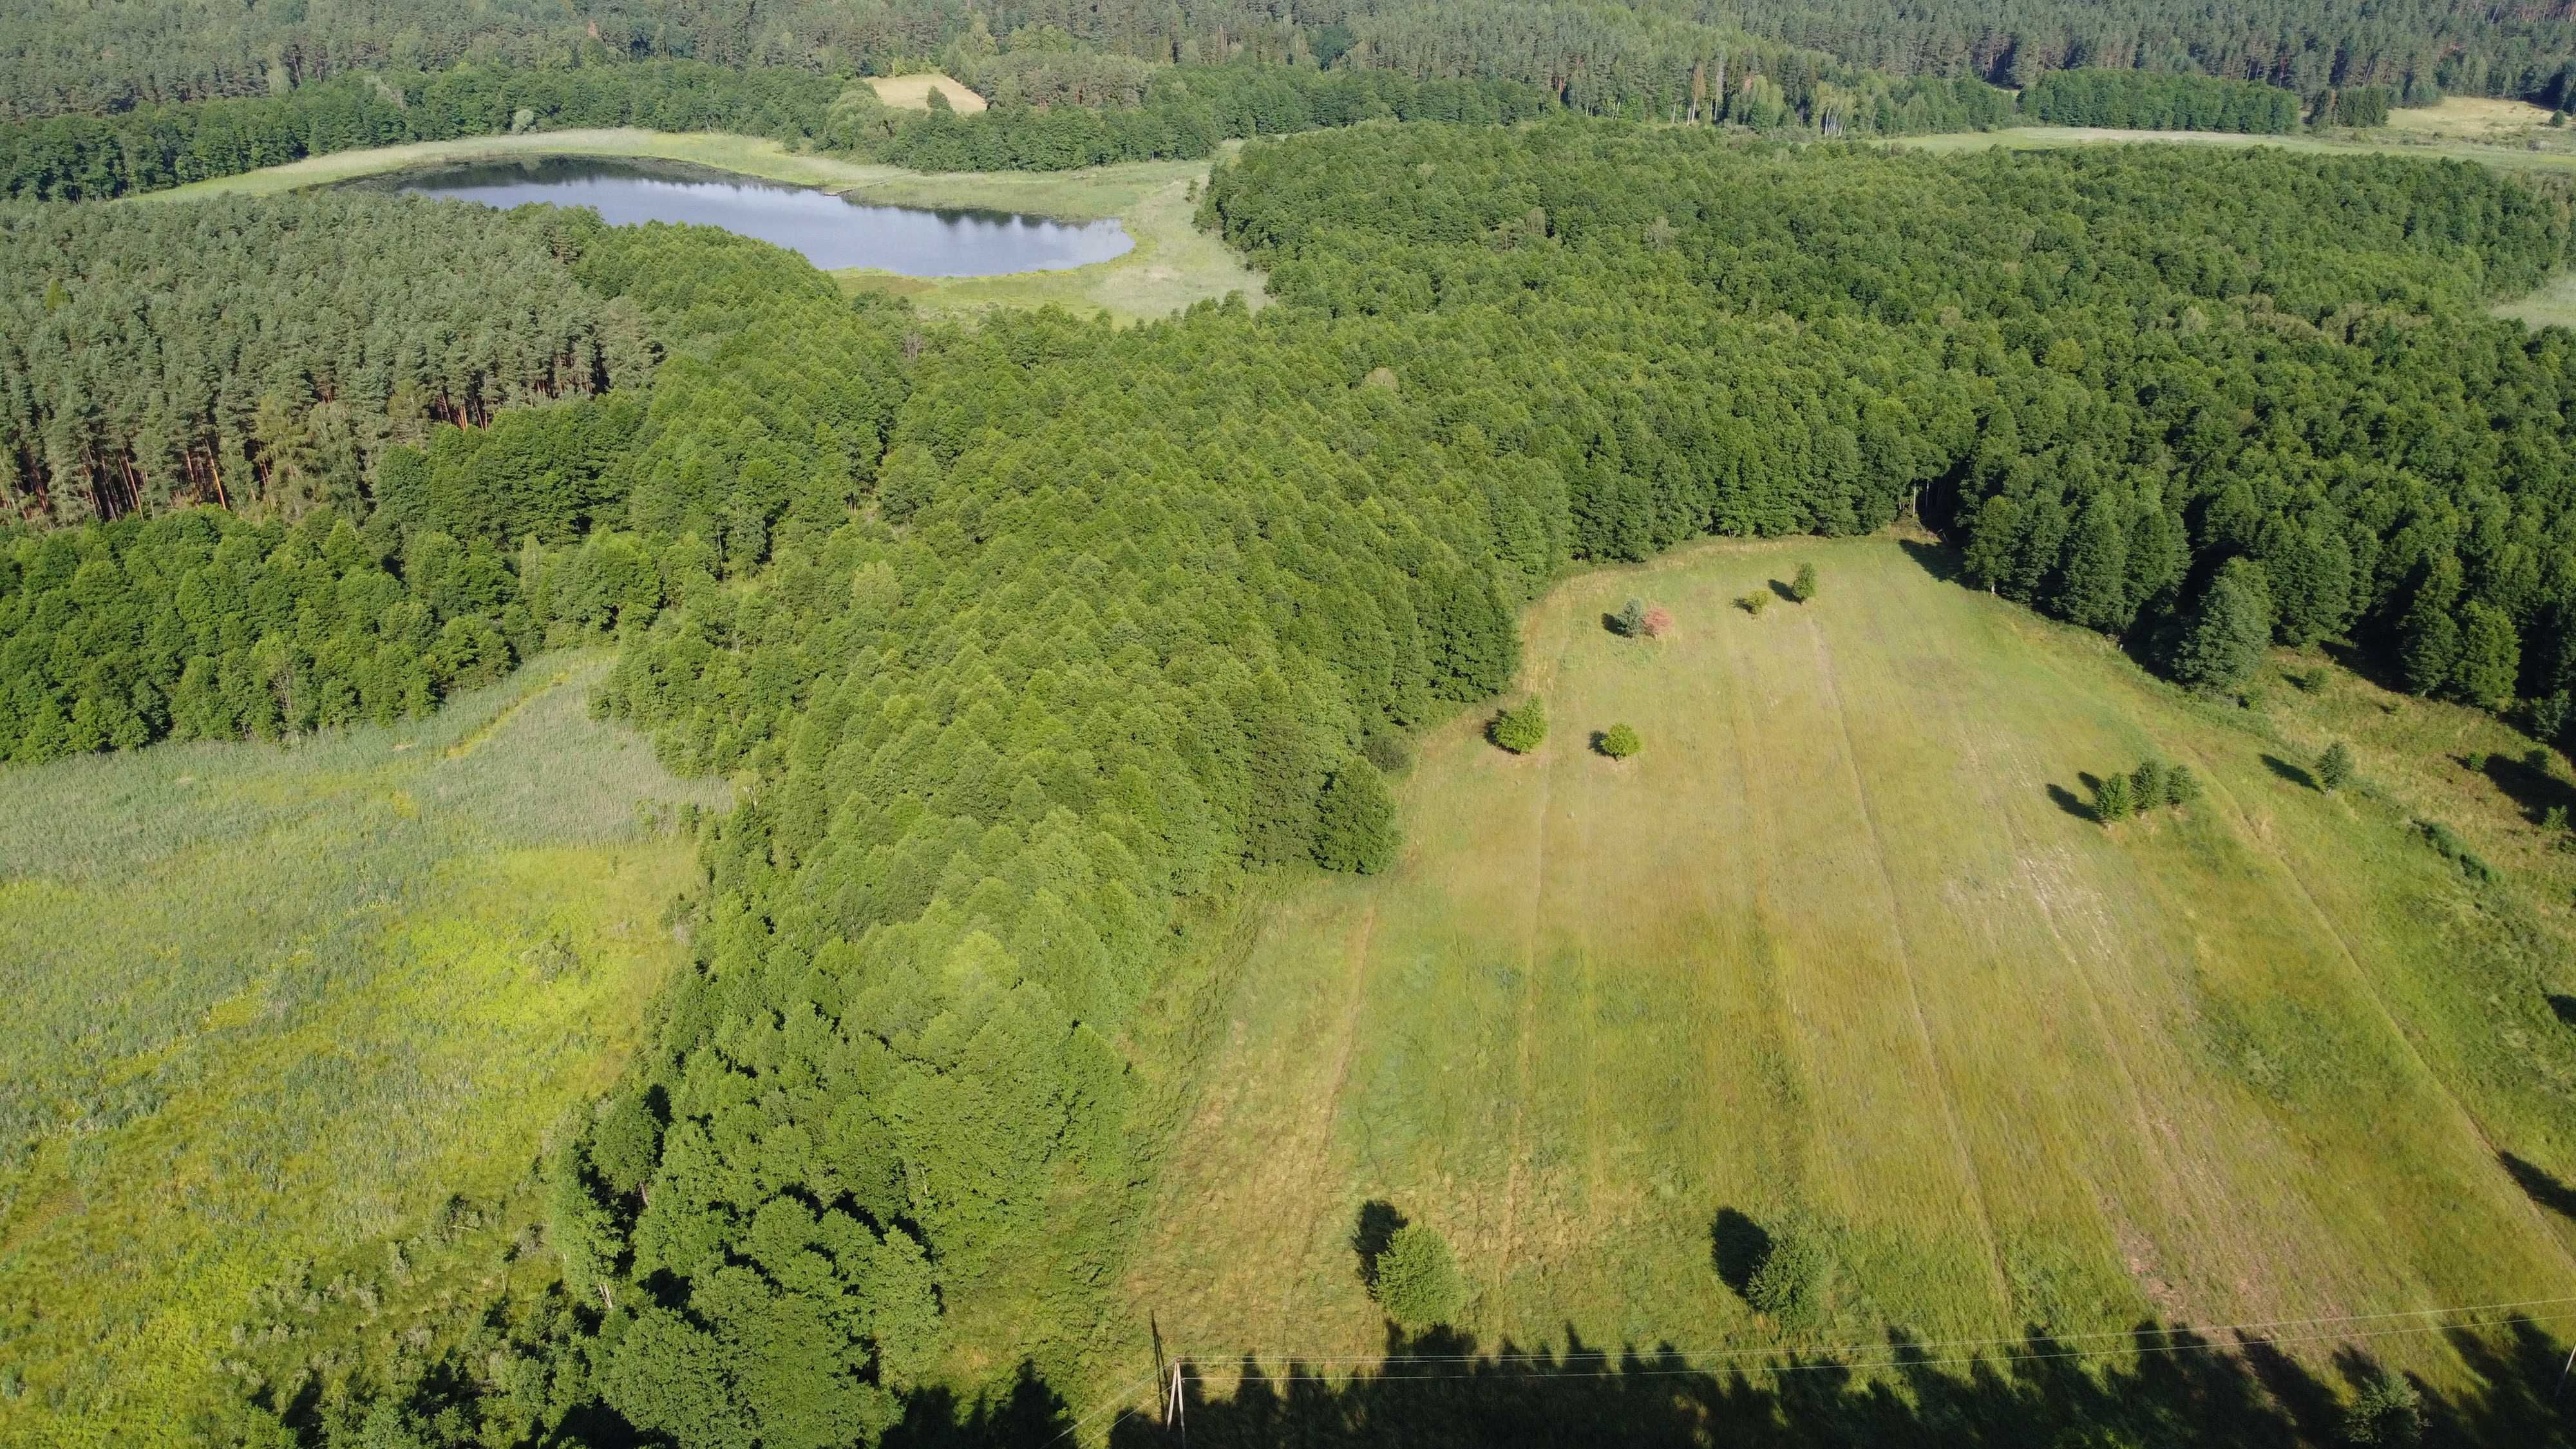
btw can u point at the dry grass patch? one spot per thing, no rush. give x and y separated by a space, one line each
2470 118
912 92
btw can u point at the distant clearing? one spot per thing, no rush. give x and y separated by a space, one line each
1843 941
912 92
289 1027
2471 118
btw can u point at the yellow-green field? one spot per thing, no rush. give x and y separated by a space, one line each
288 1028
1844 941
912 92
1172 265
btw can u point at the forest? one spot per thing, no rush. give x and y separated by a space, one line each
57 58
1003 733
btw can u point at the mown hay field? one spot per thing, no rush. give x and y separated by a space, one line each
288 1029
1843 945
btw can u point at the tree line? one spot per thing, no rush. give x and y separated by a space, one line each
153 147
2148 101
264 353
65 57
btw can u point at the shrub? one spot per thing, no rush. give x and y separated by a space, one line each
2147 785
1631 620
1521 728
2476 760
2112 800
1620 741
2181 785
2388 1411
1417 1278
1803 587
2447 841
1754 603
1789 1285
1659 622
2334 767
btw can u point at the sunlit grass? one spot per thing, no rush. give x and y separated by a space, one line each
272 1009
1842 940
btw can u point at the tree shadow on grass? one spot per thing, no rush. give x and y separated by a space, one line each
1378 1221
2186 1391
1737 1245
2295 774
1937 559
2563 1006
2074 804
1786 593
2530 785
2540 1184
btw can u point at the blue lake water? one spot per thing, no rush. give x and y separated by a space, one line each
830 232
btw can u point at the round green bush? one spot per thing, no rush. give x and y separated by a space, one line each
1417 1279
1620 741
1519 729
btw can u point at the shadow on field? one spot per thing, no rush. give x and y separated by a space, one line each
2528 783
2074 804
1375 1229
2295 774
2563 1007
1938 560
1737 1245
2541 1184
2186 1392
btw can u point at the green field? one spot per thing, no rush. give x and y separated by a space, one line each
1842 941
288 1028
1172 265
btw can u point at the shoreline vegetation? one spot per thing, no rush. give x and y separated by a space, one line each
1172 265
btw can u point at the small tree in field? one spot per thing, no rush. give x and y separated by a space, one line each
1520 728
1659 622
2334 768
1754 603
1803 587
2147 785
2181 786
2112 801
1620 741
1417 1279
2388 1411
1789 1282
1631 621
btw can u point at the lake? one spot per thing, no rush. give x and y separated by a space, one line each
830 231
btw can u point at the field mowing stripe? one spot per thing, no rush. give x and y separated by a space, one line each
1905 966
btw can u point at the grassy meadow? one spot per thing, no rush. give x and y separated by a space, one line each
289 1027
912 92
1843 943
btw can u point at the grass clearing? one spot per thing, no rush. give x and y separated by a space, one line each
912 92
282 1014
2471 118
1172 265
2548 151
1842 942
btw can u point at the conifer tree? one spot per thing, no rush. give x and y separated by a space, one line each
2224 642
2334 767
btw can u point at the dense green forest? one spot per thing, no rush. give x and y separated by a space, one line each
70 57
2146 101
1121 614
264 353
